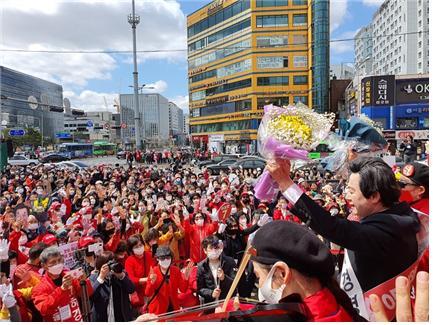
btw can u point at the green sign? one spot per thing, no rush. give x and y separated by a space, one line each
314 155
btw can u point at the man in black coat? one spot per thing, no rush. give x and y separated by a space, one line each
383 244
215 274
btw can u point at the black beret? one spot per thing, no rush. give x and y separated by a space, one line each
295 245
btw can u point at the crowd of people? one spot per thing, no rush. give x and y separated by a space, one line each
112 242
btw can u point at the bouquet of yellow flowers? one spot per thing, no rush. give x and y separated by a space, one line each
288 133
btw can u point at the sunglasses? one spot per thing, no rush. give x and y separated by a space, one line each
162 258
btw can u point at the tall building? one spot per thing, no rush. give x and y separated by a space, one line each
175 118
341 71
154 119
243 55
30 102
364 51
399 32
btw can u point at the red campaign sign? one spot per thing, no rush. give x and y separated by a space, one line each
224 211
123 125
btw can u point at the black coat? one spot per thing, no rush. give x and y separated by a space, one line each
101 298
205 280
380 246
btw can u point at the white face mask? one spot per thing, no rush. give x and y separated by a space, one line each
165 264
33 226
267 293
138 251
12 268
40 192
214 254
199 222
56 269
85 204
88 216
92 201
234 210
23 240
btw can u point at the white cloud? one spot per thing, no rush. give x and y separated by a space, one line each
86 25
89 100
373 3
338 13
343 46
156 87
182 102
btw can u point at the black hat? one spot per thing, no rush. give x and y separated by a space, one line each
163 251
417 173
295 245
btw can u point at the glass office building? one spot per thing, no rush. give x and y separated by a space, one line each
16 89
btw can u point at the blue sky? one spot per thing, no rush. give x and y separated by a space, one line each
101 25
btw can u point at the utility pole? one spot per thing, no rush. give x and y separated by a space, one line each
134 20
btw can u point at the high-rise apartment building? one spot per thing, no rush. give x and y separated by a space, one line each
399 39
175 118
243 55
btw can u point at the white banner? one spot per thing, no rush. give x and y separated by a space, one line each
68 250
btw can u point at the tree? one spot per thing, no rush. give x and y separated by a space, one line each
32 138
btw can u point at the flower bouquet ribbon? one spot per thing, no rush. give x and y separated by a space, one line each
288 133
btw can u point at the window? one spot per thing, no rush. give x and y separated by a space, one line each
234 68
224 126
196 112
407 123
299 61
279 101
228 87
272 21
272 62
299 2
299 39
203 76
299 20
271 3
300 80
272 41
302 99
272 81
198 95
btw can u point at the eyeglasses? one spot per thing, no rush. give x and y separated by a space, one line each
403 184
162 258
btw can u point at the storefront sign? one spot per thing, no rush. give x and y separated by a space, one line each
389 134
412 91
215 6
217 100
198 70
237 96
416 134
216 83
378 91
200 138
216 138
417 110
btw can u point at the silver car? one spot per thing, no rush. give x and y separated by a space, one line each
19 160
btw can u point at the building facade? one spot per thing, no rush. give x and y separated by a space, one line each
175 117
341 71
399 39
154 119
30 102
243 55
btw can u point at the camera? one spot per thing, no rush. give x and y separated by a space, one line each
115 266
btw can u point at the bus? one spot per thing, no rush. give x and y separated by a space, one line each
76 150
104 148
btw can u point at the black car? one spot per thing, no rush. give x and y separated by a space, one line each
53 158
250 163
216 160
221 166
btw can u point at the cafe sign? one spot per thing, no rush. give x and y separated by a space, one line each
412 91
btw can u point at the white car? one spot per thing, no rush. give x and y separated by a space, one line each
72 164
18 160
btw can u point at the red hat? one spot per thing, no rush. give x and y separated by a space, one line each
85 241
244 194
262 205
55 206
49 239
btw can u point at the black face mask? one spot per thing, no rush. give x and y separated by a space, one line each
168 220
232 231
246 200
110 232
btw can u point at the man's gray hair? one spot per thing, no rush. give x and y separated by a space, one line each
48 253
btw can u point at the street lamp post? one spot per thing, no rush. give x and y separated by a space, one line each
134 20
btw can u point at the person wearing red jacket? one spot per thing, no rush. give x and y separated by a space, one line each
165 281
57 296
196 233
189 297
137 266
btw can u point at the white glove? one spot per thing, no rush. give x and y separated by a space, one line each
214 215
222 227
4 249
264 219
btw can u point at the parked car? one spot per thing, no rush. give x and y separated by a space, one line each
72 164
216 160
121 155
18 160
53 158
250 163
221 166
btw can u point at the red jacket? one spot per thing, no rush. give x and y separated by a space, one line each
422 206
189 298
14 238
138 268
278 215
168 292
196 235
49 299
324 308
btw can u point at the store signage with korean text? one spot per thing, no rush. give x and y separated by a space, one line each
417 110
217 100
215 6
216 138
378 91
416 134
389 134
195 71
412 91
